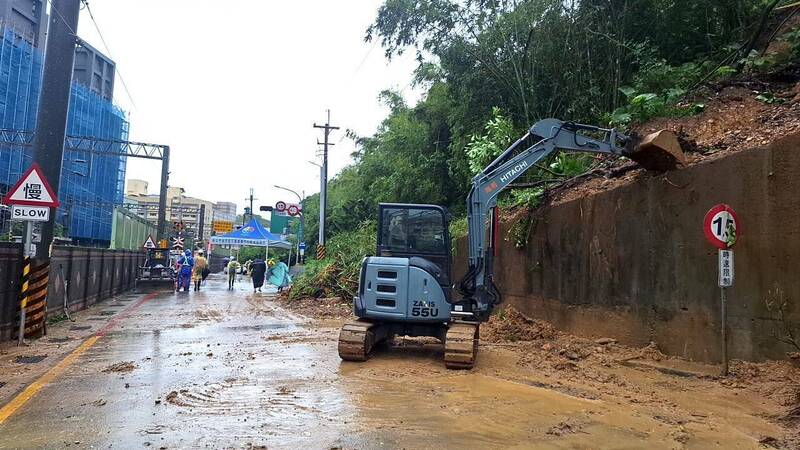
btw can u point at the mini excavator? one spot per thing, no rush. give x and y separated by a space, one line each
405 290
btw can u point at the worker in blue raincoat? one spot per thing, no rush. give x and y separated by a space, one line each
279 274
185 267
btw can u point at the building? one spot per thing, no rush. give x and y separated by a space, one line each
225 212
94 70
180 208
136 188
90 184
28 18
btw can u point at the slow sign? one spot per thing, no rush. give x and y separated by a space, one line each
32 213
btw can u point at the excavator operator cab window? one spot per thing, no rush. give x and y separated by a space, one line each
412 230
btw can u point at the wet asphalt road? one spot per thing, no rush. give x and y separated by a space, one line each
232 369
212 369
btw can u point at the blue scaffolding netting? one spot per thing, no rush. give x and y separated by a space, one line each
90 184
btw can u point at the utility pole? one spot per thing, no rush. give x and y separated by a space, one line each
251 198
323 194
51 119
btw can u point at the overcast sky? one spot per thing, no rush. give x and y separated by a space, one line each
234 87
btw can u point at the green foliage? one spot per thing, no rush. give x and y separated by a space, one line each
498 134
458 231
768 98
337 274
252 253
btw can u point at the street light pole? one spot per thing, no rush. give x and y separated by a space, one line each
302 218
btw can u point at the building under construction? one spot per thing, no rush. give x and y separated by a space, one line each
90 184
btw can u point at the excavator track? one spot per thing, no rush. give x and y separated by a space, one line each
461 345
356 340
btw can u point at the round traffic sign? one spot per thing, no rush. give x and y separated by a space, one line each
280 206
721 226
293 210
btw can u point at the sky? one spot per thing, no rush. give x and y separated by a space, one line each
235 86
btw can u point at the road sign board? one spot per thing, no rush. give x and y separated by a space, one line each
149 243
32 189
725 268
31 213
280 206
721 226
223 226
177 243
294 209
302 245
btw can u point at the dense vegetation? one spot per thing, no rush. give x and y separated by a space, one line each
490 68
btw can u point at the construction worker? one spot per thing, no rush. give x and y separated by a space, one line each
200 268
185 266
233 267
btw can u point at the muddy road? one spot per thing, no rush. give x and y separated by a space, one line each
233 369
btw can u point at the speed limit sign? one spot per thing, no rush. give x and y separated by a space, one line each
721 227
280 206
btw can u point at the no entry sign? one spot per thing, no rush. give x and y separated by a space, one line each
721 226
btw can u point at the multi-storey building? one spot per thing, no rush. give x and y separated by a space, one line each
180 208
225 211
90 184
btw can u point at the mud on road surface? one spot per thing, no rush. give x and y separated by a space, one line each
220 369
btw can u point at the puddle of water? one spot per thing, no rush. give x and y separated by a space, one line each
259 327
30 359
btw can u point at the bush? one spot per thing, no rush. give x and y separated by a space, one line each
337 274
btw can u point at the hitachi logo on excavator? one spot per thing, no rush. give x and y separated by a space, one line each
514 170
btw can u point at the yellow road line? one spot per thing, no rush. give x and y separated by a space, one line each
24 396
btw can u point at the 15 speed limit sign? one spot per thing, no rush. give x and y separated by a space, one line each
721 226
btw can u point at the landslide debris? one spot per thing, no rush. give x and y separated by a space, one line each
737 117
125 366
317 308
510 325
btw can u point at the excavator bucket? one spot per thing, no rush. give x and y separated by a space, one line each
659 151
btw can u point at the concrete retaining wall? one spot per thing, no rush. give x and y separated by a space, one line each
93 275
632 263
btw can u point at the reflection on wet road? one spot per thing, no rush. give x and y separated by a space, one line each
214 368
232 369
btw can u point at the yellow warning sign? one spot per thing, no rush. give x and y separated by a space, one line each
222 226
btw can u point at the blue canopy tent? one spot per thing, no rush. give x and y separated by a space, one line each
253 233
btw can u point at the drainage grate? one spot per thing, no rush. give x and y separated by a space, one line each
30 359
80 327
61 339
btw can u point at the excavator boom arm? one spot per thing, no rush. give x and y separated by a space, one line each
477 286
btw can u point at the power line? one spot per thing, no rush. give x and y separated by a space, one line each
103 40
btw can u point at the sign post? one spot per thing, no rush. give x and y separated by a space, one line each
30 200
149 242
721 229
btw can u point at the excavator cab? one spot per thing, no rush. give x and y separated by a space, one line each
415 231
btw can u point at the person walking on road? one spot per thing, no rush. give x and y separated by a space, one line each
185 266
279 274
200 267
258 269
233 267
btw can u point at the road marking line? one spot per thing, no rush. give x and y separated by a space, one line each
26 395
